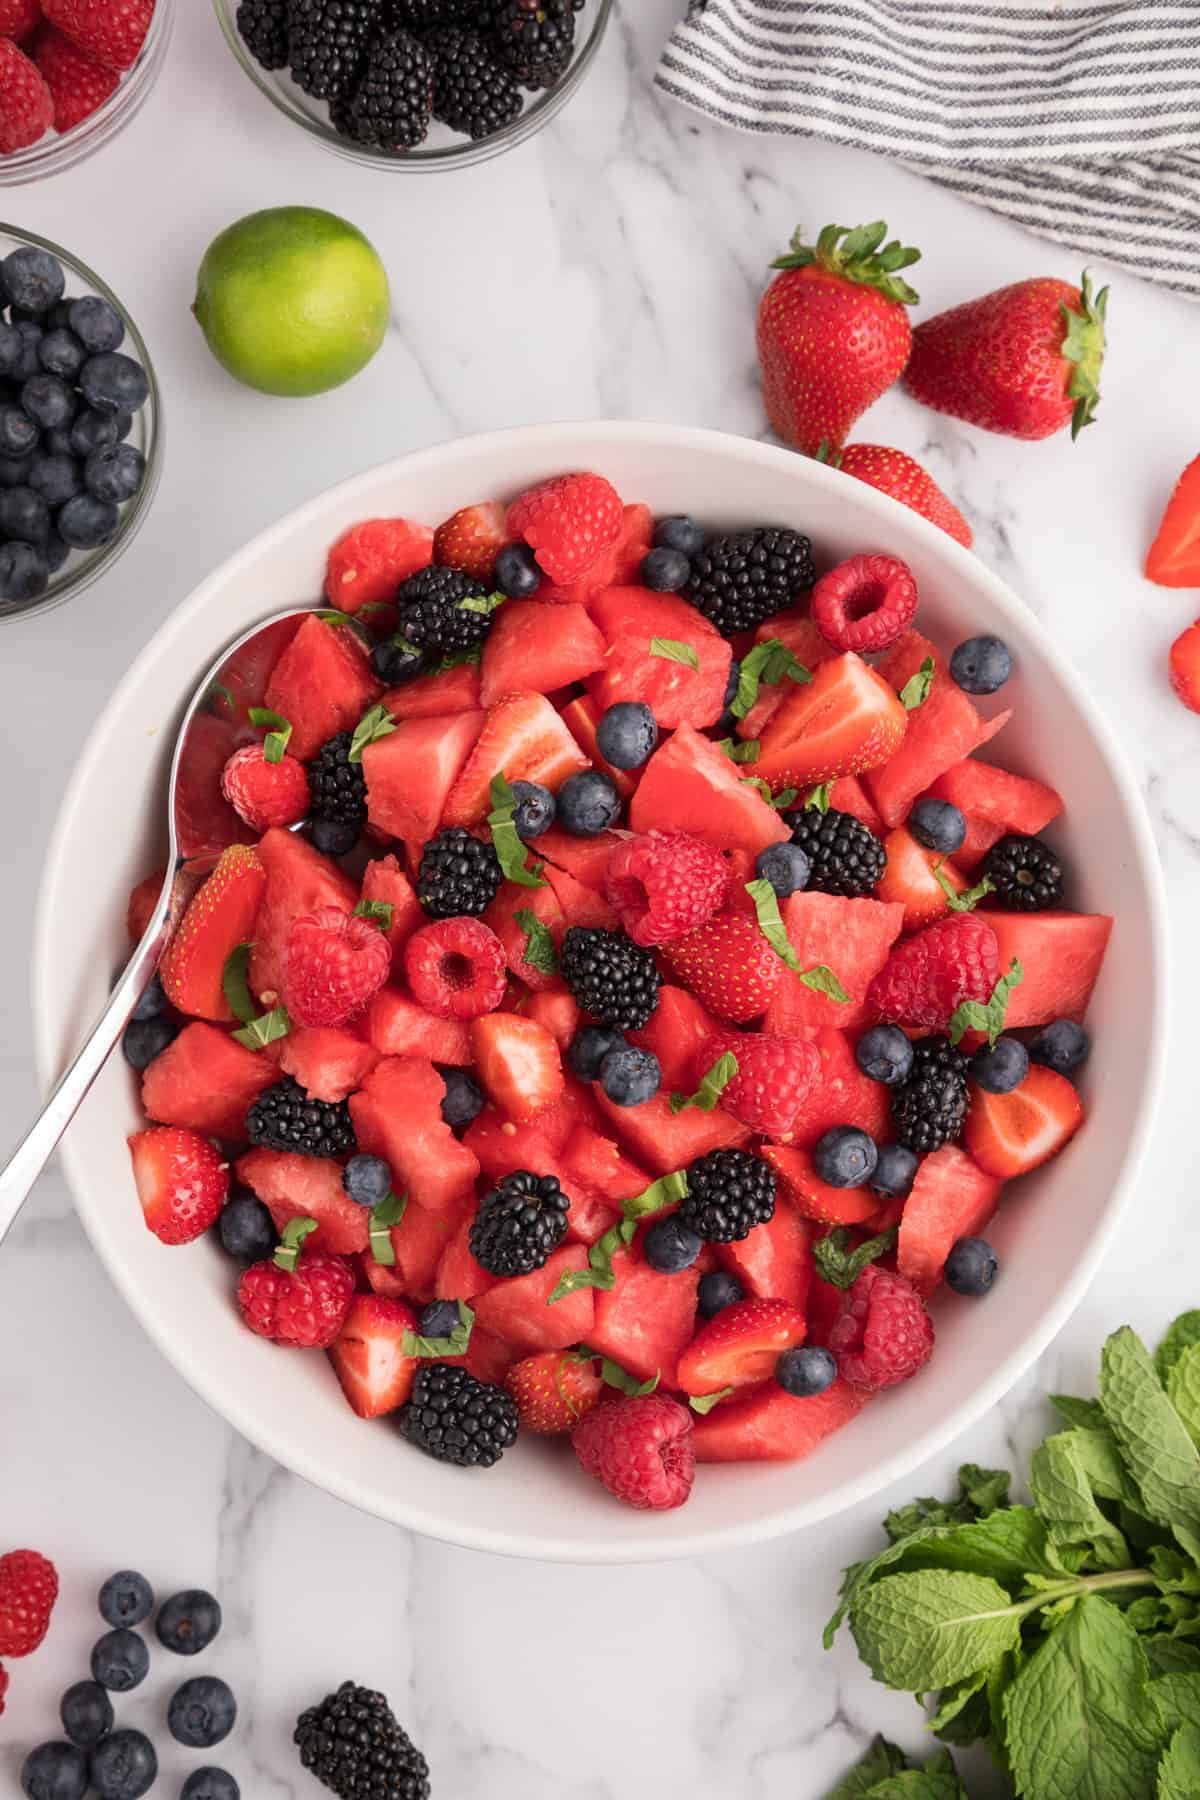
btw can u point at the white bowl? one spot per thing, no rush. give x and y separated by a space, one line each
1051 1230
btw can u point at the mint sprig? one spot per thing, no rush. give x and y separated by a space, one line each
972 1015
278 737
540 953
388 1212
673 650
434 1349
236 987
510 850
820 977
916 689
377 722
379 912
767 663
257 1033
712 1085
287 1255
969 899
839 1264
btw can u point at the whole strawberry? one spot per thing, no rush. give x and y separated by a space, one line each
26 107
729 966
833 331
265 793
931 973
892 472
304 1307
882 1333
553 1391
78 83
28 1590
1024 360
336 963
643 1450
112 31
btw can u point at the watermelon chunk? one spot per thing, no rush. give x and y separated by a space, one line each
595 1161
322 684
770 1426
646 1320
205 820
207 1081
419 1242
397 1114
993 801
941 732
663 1140
774 1261
385 880
297 1187
951 1198
327 1061
502 1146
411 772
459 1276
555 1008
584 858
523 739
678 1031
367 563
487 1357
690 785
501 917
1061 954
814 1198
843 1096
677 694
580 905
848 795
245 676
299 881
453 690
397 1026
519 1310
581 716
852 937
531 649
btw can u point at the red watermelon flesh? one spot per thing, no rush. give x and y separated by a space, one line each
631 618
519 1311
299 881
419 1243
1061 954
580 905
502 1147
814 1198
770 1426
397 1114
397 1026
851 937
848 795
487 1357
554 1007
584 858
941 731
411 772
664 1140
690 785
774 1261
844 1096
581 717
523 739
245 676
951 1198
459 1276
385 880
204 819
677 1032
206 1081
646 1320
501 917
329 1063
297 1187
453 690
594 1161
533 649
993 801
322 684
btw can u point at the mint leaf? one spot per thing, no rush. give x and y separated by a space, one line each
235 987
539 944
931 1628
880 1760
510 851
704 1403
1058 1480
292 1242
1177 1693
770 923
835 1261
256 1034
484 604
915 691
1161 1457
970 1015
1087 1413
935 1780
1181 1334
746 752
764 787
671 650
599 1272
770 662
377 722
378 911
712 1086
981 1492
1173 1656
389 1212
784 798
818 798
961 1713
411 1344
661 1193
458 659
969 899
1183 1388
615 1376
1179 1769
822 980
278 738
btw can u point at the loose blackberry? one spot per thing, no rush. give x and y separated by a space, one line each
742 578
471 91
1026 874
610 977
353 1743
431 611
535 39
337 787
928 1110
328 42
519 1224
285 1118
458 874
844 857
458 1419
392 103
264 28
729 1193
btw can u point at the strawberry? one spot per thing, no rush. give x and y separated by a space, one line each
368 1358
740 1346
833 332
845 721
892 472
305 1307
729 966
774 1078
1173 559
567 522
18 18
553 1391
641 1449
336 964
865 603
112 31
182 1182
1185 666
220 916
908 879
882 1333
265 793
28 1590
142 902
1009 1134
814 1198
518 1064
928 975
26 104
1024 360
471 538
78 83
663 885
368 562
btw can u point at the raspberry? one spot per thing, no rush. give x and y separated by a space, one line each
665 886
456 968
368 562
112 31
26 107
567 522
306 1308
775 1077
265 793
642 1450
882 1334
28 1590
335 964
931 973
18 18
78 83
866 603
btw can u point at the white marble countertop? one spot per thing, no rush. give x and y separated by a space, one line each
609 267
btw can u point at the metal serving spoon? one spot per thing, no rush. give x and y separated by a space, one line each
201 824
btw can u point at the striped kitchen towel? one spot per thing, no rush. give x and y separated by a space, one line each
1081 122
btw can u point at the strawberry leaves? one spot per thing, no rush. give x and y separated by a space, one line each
858 255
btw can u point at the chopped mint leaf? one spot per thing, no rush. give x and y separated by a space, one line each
764 788
539 944
256 1034
378 911
1181 1334
615 1376
711 1087
599 1272
369 607
740 752
457 658
841 1266
278 737
660 1193
375 723
292 1242
482 603
970 1015
785 798
234 985
510 851
770 662
970 898
817 799
704 1403
915 691
218 691
671 650
436 1348
820 978
389 1212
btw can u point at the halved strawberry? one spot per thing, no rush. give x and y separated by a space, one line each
909 879
1184 665
368 562
814 1198
845 721
581 717
471 539
220 917
523 739
1009 1134
740 1346
1173 559
182 1182
553 1391
729 965
518 1063
367 1356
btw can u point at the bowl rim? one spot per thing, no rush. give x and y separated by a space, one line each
563 439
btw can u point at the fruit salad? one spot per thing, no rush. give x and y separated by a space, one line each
621 992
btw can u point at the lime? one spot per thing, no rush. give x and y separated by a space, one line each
292 300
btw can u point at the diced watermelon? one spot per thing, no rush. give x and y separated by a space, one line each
994 801
941 731
518 1063
1061 954
519 1311
690 785
631 618
595 1161
677 1032
844 1095
584 858
326 1060
645 1320
411 772
581 717
852 937
909 881
385 880
205 820
617 564
824 1305
532 649
848 795
951 1198
419 1243
431 696
207 1081
771 1426
397 1026
555 1007
523 739
501 917
590 1215
814 1198
297 1187
774 1261
299 881
367 563
487 1357
580 905
397 1114
502 1147
665 1141
322 684
459 1276
245 675
573 1107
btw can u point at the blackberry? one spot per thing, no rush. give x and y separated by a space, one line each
285 1118
844 857
519 1224
1026 874
929 1108
472 92
610 977
535 40
432 615
337 787
328 42
729 1193
740 579
392 104
353 1744
264 28
458 874
430 15
457 1419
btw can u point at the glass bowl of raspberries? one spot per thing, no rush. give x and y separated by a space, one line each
416 84
72 74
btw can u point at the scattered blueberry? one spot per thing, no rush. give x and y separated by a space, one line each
61 353
55 1772
630 1076
588 803
55 478
845 1156
49 402
24 572
717 1291
1001 1068
201 1712
32 278
210 1784
96 324
806 1371
153 1001
397 663
439 1319
124 1766
1062 1046
679 533
627 734
86 523
18 432
87 1713
113 382
785 866
981 665
334 837
971 1266
516 572
144 1039
588 1049
664 570
884 1054
115 473
188 1622
670 1247
367 1180
463 1100
120 1661
895 1170
93 431
727 724
938 825
24 515
31 336
247 1230
534 807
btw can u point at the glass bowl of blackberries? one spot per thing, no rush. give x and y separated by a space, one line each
416 84
80 425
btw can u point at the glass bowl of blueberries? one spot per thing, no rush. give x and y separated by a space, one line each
80 425
416 84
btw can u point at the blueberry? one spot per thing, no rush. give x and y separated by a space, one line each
153 1001
727 724
55 552
895 1170
588 1049
50 403
10 347
124 1766
516 572
24 515
534 807
845 1156
588 803
144 1039
85 522
31 336
884 1054
96 324
115 473
463 1100
938 826
94 431
334 837
806 1371
123 422
201 1712
32 278
664 571
87 1713
18 432
1001 1068
55 478
210 1784
395 663
55 1772
670 1247
247 1230
24 572
57 442
367 1180
439 1319
1062 1046
971 1266
981 665
188 1622
630 1076
113 382
717 1291
15 470
679 533
61 353
627 734
785 866
120 1661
